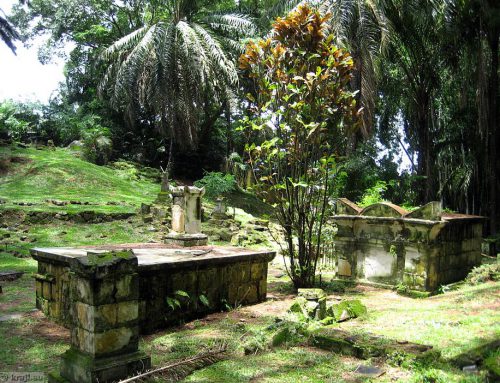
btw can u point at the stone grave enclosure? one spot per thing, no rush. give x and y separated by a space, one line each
422 249
211 277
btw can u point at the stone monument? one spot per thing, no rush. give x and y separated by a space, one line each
104 293
186 217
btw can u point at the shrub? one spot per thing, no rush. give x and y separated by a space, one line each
216 183
304 107
374 194
97 146
484 273
17 119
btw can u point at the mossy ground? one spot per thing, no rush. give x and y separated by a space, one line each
37 175
457 323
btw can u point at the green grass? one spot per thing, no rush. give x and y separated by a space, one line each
58 174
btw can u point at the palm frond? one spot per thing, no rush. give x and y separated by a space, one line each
177 371
8 34
214 49
232 23
126 42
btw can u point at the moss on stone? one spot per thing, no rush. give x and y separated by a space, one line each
104 258
346 310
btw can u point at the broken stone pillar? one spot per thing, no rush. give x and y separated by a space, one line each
312 303
219 211
104 294
186 217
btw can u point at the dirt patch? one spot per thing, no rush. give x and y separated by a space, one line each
4 307
39 326
271 307
20 160
478 309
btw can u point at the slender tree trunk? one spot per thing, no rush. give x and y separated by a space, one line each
426 147
493 132
165 177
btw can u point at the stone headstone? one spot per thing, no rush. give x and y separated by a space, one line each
186 217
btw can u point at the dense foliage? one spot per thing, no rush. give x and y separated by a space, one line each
426 74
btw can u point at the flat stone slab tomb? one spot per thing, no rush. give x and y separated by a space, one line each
174 283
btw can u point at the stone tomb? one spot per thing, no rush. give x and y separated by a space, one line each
209 279
422 249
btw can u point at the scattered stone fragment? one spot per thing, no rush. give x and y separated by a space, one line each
147 219
369 371
346 310
472 369
366 346
311 304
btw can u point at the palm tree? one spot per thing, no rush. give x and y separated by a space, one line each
7 33
415 32
474 34
175 66
362 28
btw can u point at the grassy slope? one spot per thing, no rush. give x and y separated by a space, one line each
60 175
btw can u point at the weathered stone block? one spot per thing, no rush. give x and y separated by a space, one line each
262 289
127 287
38 288
101 265
248 293
108 342
239 272
232 293
98 318
54 309
91 291
47 290
102 291
346 310
344 268
258 270
207 278
79 367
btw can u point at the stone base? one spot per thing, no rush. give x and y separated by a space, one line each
78 367
187 240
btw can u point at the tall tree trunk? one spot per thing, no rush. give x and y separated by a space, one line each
426 162
493 132
165 177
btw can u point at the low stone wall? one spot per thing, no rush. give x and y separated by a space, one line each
422 249
87 216
208 288
52 284
174 284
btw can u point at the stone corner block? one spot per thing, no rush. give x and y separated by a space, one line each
101 265
78 367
